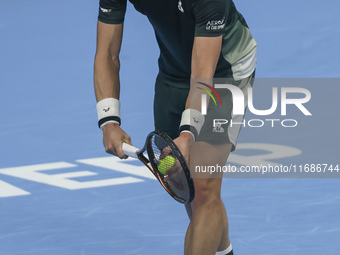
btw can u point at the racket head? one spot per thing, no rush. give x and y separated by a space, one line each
177 180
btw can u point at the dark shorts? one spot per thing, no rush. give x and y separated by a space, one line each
169 103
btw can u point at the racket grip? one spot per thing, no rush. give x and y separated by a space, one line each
130 150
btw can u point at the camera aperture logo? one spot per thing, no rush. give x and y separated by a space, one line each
241 99
204 97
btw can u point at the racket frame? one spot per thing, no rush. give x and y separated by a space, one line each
135 152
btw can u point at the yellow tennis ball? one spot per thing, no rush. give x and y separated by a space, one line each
165 164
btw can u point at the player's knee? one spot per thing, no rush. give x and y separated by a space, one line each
207 192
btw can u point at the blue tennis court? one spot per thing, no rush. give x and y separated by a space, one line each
60 193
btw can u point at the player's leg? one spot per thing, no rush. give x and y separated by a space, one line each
208 229
168 106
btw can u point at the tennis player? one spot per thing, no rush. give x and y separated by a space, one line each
198 40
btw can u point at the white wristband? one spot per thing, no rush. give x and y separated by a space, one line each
108 111
192 122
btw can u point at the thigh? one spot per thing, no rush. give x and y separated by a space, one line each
224 132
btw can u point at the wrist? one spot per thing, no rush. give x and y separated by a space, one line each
108 111
109 125
187 135
191 123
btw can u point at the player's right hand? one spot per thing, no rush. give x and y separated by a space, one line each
113 138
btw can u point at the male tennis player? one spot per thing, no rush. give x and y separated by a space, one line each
198 40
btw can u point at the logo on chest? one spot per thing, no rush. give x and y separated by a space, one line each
215 24
180 6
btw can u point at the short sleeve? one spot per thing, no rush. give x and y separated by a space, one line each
210 17
112 11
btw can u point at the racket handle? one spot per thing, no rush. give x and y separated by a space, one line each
130 150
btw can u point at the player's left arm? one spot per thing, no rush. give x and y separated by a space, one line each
205 55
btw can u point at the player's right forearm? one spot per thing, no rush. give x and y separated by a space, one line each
106 73
106 77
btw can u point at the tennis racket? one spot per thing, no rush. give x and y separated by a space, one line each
167 163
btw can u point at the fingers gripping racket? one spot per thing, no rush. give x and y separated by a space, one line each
167 163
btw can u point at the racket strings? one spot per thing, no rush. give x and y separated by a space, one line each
170 168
